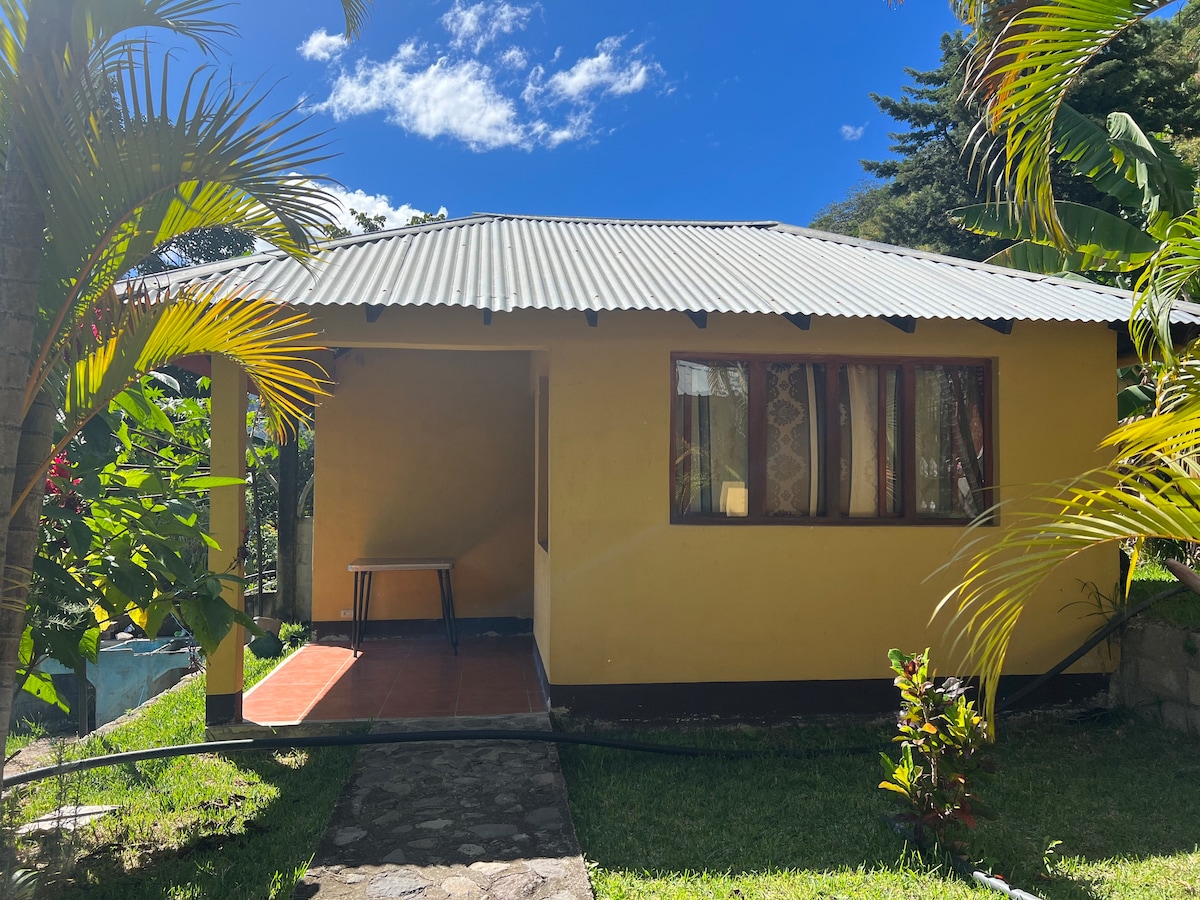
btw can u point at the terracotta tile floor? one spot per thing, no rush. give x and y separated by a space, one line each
397 679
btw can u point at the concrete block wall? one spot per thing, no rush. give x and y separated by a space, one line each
270 603
1159 674
304 568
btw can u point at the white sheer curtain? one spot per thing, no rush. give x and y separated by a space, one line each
950 447
861 456
711 437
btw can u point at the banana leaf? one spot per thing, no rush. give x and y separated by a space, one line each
1102 241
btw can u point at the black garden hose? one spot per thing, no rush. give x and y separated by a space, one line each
1108 628
415 737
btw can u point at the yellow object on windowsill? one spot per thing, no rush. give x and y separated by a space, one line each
735 499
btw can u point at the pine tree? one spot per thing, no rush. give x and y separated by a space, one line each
1148 72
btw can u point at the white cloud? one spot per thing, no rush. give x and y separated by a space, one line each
578 127
373 205
323 46
341 201
446 98
480 24
470 88
514 58
853 132
608 72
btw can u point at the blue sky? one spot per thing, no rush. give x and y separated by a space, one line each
698 110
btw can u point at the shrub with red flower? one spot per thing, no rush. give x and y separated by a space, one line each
60 486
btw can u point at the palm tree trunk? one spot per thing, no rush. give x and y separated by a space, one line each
22 542
21 234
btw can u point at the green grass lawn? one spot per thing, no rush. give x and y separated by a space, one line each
208 826
1123 797
22 735
1151 578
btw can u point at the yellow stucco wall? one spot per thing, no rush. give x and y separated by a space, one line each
624 596
426 454
542 611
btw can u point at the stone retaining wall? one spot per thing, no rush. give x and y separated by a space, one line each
1160 674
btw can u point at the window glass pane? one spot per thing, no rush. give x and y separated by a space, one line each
711 438
893 500
949 439
858 413
795 406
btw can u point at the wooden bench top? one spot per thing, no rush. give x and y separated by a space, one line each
400 564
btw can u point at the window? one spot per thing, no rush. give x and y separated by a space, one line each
817 440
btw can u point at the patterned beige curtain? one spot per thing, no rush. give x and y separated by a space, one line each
794 428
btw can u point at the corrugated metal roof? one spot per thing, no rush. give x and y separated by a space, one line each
505 262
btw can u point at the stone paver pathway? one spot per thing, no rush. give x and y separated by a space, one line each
457 820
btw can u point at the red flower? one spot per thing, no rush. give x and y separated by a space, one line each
57 479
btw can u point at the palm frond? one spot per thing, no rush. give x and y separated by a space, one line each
156 161
101 31
1173 269
12 38
1171 432
356 12
163 174
1153 498
138 331
102 25
143 332
1030 55
970 12
1152 489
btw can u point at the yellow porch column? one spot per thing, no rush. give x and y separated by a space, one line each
227 525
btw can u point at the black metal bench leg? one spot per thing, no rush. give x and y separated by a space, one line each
451 623
361 610
366 608
355 612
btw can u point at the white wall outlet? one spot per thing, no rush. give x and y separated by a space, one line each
347 614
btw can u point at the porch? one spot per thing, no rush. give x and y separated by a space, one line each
399 678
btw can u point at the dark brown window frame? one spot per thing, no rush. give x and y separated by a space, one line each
757 427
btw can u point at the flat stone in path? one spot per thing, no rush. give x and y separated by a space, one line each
453 820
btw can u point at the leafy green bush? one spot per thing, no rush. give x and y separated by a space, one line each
295 634
941 739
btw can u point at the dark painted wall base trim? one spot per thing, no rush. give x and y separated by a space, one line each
538 667
223 709
425 628
777 699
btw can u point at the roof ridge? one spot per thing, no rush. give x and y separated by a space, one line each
603 220
943 259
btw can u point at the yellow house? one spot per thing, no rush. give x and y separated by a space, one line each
712 466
